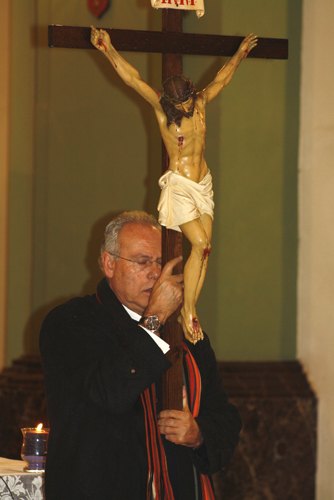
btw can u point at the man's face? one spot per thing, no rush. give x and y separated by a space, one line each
131 282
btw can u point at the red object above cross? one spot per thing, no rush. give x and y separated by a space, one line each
98 7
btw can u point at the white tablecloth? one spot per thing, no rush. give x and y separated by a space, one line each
17 484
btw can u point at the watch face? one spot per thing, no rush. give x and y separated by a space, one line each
152 323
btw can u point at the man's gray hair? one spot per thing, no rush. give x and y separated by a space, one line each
112 230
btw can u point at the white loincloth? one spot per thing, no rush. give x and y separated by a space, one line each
183 200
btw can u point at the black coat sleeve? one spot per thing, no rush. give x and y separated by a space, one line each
89 357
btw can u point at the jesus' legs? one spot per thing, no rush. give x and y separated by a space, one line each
198 232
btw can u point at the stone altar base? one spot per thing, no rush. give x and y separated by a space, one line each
276 457
22 403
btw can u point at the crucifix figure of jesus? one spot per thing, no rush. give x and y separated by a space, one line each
186 201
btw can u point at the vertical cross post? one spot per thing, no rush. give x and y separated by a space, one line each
172 240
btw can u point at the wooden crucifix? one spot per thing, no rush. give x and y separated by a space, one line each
172 43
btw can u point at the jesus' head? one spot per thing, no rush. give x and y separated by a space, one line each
178 99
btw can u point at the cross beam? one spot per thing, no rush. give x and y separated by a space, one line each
75 37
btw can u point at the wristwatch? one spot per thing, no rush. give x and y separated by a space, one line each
152 322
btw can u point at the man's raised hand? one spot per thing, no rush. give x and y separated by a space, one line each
167 292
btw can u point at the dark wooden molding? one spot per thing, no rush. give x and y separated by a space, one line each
265 379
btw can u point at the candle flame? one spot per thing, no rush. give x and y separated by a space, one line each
39 427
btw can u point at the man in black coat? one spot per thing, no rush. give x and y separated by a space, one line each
109 438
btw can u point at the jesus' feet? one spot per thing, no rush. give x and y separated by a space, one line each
191 327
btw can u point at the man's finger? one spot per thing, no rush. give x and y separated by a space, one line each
184 398
169 266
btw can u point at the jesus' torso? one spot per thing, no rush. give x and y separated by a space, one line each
185 143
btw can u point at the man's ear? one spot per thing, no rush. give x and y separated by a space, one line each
108 264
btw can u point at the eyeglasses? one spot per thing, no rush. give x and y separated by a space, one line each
142 262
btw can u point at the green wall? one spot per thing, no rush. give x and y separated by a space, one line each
21 176
249 304
95 151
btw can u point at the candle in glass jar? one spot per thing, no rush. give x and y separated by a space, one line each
34 447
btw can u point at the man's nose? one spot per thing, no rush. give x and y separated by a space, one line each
154 270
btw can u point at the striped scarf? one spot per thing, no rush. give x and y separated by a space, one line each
158 483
